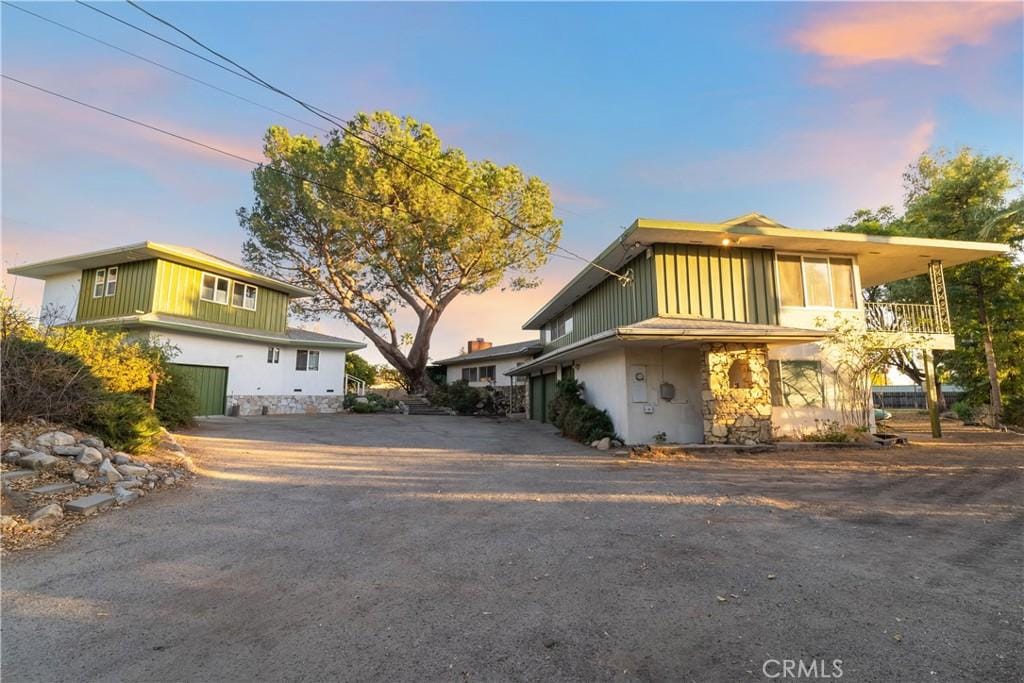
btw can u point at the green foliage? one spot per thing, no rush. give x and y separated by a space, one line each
362 408
41 382
415 254
124 422
826 431
176 399
373 403
462 398
115 360
576 418
964 411
358 367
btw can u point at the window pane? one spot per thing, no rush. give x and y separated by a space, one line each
300 360
221 294
487 372
314 361
111 281
207 289
465 374
801 383
816 282
238 294
842 283
101 276
250 298
790 281
272 354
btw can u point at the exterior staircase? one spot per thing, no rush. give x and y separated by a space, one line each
417 405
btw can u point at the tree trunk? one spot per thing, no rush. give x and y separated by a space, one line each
995 395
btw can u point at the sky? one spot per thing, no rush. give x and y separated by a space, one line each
805 112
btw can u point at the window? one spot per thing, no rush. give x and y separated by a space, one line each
559 327
100 284
273 355
816 281
307 360
112 281
469 374
796 383
244 296
487 373
215 289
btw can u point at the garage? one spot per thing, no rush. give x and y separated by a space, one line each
542 390
211 386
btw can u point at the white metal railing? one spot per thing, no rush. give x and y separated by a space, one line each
903 317
354 385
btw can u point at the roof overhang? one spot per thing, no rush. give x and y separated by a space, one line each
144 251
881 258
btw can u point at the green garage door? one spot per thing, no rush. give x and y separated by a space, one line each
542 390
211 385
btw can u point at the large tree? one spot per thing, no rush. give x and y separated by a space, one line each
356 219
966 196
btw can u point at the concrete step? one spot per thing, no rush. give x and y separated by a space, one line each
427 410
50 489
13 475
90 504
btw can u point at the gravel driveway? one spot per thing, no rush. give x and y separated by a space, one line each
358 547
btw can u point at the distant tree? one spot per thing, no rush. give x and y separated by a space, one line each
358 367
414 246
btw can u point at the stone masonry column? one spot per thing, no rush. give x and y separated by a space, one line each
736 394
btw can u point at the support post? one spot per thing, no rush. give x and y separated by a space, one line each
939 300
154 377
931 393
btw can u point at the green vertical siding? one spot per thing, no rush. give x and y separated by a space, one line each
134 292
710 282
177 293
612 304
210 384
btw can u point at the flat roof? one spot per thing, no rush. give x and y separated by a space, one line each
881 258
144 251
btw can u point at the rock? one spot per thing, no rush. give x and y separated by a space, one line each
362 399
8 522
90 456
50 489
55 439
123 495
90 504
13 475
744 421
719 430
46 516
151 485
12 456
38 461
121 458
72 451
133 470
152 476
80 475
92 442
130 483
593 444
110 472
617 444
604 444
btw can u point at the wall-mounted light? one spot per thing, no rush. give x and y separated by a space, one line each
726 241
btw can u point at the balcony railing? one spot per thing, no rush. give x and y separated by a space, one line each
900 317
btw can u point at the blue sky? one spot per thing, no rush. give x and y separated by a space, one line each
804 112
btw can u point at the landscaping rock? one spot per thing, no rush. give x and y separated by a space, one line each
38 461
92 442
72 451
14 475
55 439
8 522
46 516
50 489
133 470
124 495
604 444
80 475
90 456
130 483
121 458
90 504
12 456
110 472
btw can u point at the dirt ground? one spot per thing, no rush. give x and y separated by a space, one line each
365 547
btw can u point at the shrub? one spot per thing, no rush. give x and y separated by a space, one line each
119 363
176 400
124 422
964 411
576 418
462 398
362 408
826 431
41 382
374 403
360 368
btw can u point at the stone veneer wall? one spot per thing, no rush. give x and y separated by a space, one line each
735 415
287 404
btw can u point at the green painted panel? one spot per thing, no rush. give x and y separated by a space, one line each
210 384
177 293
134 292
709 282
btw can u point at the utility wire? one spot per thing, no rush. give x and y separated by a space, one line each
352 129
163 66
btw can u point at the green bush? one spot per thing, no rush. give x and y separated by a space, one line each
176 400
120 363
41 382
576 418
964 411
826 431
124 421
363 408
464 399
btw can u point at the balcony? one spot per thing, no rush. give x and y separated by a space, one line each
907 318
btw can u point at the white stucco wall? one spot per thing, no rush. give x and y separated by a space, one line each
249 373
60 298
502 365
679 418
604 379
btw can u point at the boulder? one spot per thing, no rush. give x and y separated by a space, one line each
124 495
133 470
604 444
92 442
46 516
38 461
90 456
55 439
12 456
71 451
80 475
110 472
121 458
130 483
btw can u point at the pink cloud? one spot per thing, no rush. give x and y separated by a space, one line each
564 197
922 33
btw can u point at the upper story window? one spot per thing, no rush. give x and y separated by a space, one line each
243 296
215 289
307 360
559 327
105 283
816 281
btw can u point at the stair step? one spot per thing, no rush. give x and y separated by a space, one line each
49 489
13 475
90 504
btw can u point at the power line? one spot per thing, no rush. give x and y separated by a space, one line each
164 66
350 127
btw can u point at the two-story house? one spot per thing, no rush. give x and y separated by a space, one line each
229 324
710 332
